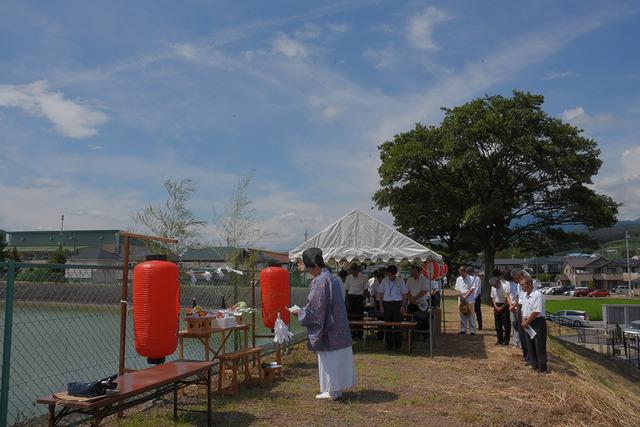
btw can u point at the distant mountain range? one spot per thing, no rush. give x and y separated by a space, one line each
616 232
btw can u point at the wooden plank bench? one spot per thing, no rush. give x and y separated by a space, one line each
138 387
383 326
231 361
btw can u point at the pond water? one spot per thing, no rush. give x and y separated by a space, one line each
53 344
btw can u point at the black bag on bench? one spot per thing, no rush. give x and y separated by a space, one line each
92 389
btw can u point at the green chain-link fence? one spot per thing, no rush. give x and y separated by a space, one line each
61 323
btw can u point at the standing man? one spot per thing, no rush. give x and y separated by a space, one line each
341 276
435 292
534 323
325 318
466 295
477 306
418 290
516 276
499 296
419 293
355 284
372 289
392 294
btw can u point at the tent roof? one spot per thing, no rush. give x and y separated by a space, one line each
358 236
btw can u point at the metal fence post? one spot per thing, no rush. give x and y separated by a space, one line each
6 347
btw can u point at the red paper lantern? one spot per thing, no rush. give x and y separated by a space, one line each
274 288
156 308
431 269
445 269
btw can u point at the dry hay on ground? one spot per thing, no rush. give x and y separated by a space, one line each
470 381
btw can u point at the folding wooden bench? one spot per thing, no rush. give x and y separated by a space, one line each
232 361
138 387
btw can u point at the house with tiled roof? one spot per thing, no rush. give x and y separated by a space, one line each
592 271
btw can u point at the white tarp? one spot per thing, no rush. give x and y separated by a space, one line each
358 236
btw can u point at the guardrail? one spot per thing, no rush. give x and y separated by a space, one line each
612 342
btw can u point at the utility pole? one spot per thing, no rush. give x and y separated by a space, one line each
626 239
61 230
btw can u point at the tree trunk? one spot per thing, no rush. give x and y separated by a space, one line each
489 255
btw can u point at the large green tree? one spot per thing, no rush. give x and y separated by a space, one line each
498 171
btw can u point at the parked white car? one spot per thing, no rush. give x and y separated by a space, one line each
632 328
572 317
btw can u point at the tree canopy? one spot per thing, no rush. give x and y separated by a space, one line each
498 171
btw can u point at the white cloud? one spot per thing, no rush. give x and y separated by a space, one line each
289 47
338 28
39 207
421 25
578 117
45 183
309 31
69 118
382 58
95 147
383 28
573 114
479 76
186 51
622 182
553 75
332 112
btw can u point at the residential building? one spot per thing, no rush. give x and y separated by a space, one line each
547 265
211 257
593 271
37 246
508 263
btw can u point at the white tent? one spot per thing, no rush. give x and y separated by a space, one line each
358 236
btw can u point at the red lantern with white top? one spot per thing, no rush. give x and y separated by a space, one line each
431 270
276 295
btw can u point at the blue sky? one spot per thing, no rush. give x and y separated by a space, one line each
101 101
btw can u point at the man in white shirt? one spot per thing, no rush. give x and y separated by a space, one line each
466 294
499 296
392 294
435 292
534 323
355 284
419 291
513 306
342 275
477 304
372 288
419 296
516 276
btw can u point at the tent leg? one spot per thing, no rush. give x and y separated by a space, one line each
431 332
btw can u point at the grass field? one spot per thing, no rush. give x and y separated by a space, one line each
593 306
469 381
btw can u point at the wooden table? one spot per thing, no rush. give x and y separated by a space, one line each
135 388
225 333
381 325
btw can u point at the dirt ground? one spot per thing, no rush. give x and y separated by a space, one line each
469 381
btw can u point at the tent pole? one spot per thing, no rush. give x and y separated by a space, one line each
430 318
444 320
